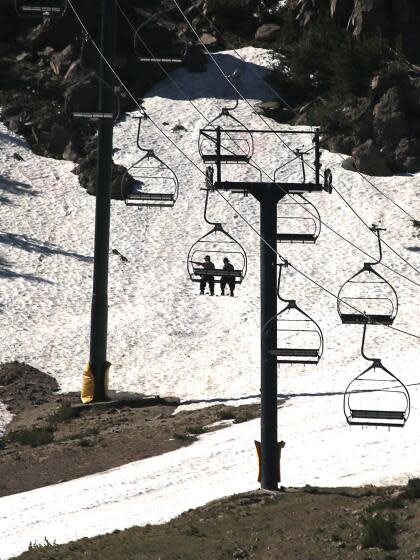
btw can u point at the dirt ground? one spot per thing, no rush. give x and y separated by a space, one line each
51 439
304 524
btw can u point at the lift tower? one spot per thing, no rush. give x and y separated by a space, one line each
268 195
99 310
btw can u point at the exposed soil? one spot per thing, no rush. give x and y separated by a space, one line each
53 438
308 524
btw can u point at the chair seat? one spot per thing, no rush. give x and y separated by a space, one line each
296 238
296 352
218 272
378 414
150 196
358 319
227 158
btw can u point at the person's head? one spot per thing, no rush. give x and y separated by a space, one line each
207 258
225 260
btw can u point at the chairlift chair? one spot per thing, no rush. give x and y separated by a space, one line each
367 297
41 8
299 337
298 220
376 397
149 181
234 138
217 244
82 100
164 49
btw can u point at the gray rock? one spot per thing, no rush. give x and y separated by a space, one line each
389 128
390 102
267 32
369 160
60 62
412 96
209 40
348 164
407 155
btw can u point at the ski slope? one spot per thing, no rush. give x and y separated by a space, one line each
164 339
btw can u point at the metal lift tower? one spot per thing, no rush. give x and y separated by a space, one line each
268 195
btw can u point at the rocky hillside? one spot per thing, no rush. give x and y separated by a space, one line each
41 65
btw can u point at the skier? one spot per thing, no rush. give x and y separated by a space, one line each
229 280
207 265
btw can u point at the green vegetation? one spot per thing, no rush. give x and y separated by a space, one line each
65 413
229 13
325 60
380 532
34 437
412 490
386 504
226 415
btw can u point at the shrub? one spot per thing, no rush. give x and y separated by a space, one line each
196 430
387 503
412 490
2 443
226 415
327 59
229 13
34 437
379 531
65 413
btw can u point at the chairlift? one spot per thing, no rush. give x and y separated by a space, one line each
298 220
41 8
376 397
299 337
155 43
367 297
217 244
82 100
149 181
226 132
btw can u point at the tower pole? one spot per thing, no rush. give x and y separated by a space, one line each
99 310
268 229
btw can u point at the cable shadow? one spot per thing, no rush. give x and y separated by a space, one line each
195 84
34 246
7 272
14 187
284 396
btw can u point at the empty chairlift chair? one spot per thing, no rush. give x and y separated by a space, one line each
156 43
376 397
82 99
149 181
299 337
41 8
367 297
298 220
236 141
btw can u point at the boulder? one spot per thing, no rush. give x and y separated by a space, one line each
348 164
369 160
341 143
412 95
390 102
210 41
389 128
407 155
275 110
58 138
267 32
60 62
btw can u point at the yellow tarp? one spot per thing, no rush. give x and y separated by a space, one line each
88 383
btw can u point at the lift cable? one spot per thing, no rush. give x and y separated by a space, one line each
269 126
203 173
129 92
181 90
227 42
320 286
